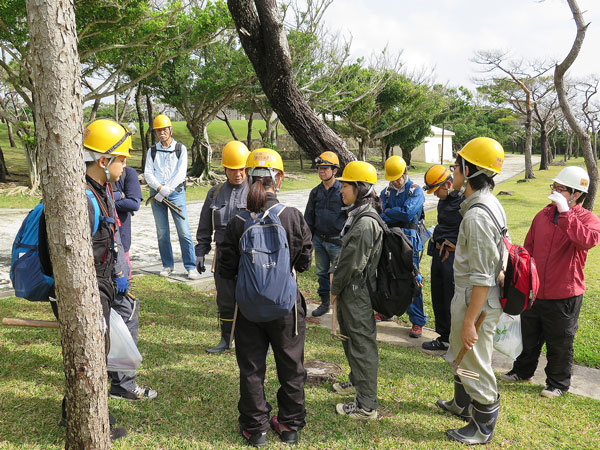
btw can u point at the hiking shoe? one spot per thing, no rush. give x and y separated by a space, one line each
344 388
436 344
166 271
117 433
551 392
382 318
355 411
139 393
512 377
193 274
286 434
416 331
255 440
322 309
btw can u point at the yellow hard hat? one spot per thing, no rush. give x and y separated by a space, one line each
328 159
485 153
161 121
108 137
264 158
235 154
395 166
435 177
359 171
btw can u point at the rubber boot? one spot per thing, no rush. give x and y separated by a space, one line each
459 405
223 344
323 307
480 429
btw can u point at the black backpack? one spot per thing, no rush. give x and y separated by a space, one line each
153 151
396 283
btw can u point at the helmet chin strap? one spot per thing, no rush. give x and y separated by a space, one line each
467 178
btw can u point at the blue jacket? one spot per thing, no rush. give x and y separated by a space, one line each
324 214
404 208
128 195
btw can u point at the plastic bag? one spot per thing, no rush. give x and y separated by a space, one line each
507 338
123 355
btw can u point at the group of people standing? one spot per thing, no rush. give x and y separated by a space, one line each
466 269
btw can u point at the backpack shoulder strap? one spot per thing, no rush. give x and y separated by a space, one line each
372 215
486 208
92 198
153 152
178 149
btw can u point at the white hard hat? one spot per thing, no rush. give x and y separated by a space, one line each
574 177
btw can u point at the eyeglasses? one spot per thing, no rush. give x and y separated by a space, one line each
453 167
558 188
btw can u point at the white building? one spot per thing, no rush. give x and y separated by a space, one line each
430 149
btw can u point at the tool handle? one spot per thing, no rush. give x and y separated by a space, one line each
29 323
464 350
334 318
172 205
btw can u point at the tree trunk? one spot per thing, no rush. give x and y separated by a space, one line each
58 108
545 161
32 157
584 138
529 175
140 114
263 37
249 135
125 106
228 123
11 138
150 119
201 151
94 110
3 168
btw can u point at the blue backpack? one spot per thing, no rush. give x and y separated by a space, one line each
266 289
26 272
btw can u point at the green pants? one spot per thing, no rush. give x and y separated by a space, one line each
355 316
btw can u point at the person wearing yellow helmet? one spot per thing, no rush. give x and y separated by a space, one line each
223 201
286 335
438 181
402 204
165 172
477 268
353 271
325 218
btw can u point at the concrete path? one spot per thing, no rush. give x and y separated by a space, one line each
145 259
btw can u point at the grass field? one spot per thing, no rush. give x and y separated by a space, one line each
197 403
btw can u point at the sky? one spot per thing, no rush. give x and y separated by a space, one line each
444 34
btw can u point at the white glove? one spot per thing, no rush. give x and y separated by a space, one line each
165 191
560 201
159 197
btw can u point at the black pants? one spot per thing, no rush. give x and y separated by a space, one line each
252 341
442 291
128 309
225 292
554 322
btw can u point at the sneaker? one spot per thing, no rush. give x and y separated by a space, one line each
139 393
436 344
193 274
416 331
551 392
166 271
355 411
344 388
286 434
256 439
382 318
512 377
322 309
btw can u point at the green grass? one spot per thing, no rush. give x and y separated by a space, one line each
196 406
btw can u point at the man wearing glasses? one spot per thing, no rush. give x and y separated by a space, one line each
559 239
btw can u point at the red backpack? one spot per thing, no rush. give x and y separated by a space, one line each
521 281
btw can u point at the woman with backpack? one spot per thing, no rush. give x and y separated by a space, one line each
252 329
362 239
477 267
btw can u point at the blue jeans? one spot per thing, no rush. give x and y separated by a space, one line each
161 219
325 255
415 311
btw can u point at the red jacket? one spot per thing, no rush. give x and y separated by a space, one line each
560 249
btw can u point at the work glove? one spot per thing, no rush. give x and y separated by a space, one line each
165 191
122 283
560 201
200 264
159 197
419 280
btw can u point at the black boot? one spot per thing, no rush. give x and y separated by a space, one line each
323 307
459 405
223 344
480 429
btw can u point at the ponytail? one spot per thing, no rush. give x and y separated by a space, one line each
257 195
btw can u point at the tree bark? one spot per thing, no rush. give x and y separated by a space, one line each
529 175
3 168
150 120
249 135
11 138
264 40
584 138
94 110
58 111
228 123
545 160
140 115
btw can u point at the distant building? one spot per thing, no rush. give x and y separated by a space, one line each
430 150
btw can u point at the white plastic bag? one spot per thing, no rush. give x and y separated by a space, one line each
508 339
123 355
